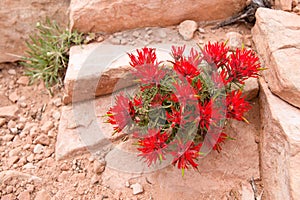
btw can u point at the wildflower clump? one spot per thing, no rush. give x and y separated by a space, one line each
181 106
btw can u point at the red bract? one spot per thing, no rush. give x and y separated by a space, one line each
221 139
120 114
184 94
243 64
145 56
215 53
186 69
174 117
205 114
194 58
137 101
158 99
153 146
149 73
220 79
177 52
197 85
236 106
185 154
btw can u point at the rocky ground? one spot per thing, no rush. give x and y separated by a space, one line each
29 118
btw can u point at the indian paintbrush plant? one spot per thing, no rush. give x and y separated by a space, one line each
181 106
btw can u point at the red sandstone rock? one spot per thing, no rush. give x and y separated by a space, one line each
116 15
279 146
277 39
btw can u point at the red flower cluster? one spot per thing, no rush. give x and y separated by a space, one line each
153 146
182 102
120 114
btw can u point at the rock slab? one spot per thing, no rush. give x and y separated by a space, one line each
18 20
283 4
276 35
280 146
117 15
99 69
81 128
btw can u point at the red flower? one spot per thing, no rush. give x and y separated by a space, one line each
194 57
157 100
185 154
215 53
186 69
220 79
242 65
146 56
197 85
149 73
205 114
177 52
120 115
221 139
137 102
153 146
173 98
236 106
174 117
185 94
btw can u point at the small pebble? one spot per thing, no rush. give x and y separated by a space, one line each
201 30
56 115
135 34
137 188
187 28
115 41
38 149
162 33
57 102
127 184
12 72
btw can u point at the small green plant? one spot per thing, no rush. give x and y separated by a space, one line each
48 52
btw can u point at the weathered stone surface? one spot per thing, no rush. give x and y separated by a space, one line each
68 140
116 15
251 88
9 111
81 128
283 4
280 146
2 121
13 97
7 197
47 126
18 19
4 101
23 80
235 40
25 195
42 139
42 195
98 69
10 174
277 39
247 192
